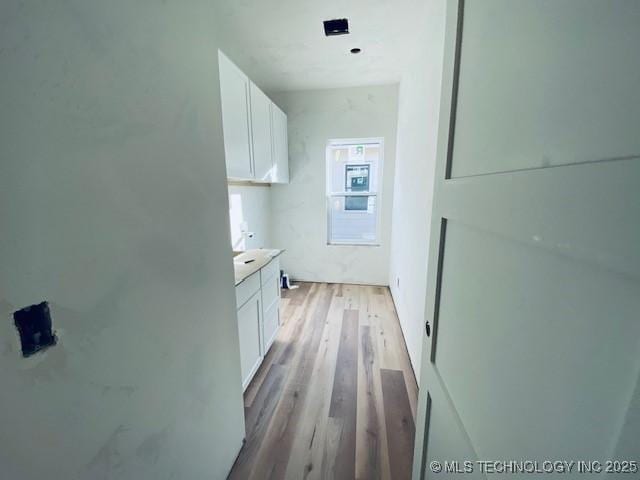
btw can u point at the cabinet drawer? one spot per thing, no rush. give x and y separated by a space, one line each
246 289
271 291
270 269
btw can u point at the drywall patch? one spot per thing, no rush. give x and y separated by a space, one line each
128 390
151 447
35 328
110 460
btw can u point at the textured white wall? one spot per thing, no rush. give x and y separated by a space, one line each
113 207
250 204
418 112
299 213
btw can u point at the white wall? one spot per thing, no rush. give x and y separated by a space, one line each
418 112
299 209
250 207
113 207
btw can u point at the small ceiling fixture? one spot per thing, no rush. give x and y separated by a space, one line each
355 50
338 26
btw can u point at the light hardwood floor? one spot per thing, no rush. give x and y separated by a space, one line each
335 398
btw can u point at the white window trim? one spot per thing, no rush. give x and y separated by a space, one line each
378 193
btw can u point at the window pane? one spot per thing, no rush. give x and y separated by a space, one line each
352 219
353 168
356 178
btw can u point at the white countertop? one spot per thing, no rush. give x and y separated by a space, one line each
257 259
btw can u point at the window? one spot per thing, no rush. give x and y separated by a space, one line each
354 173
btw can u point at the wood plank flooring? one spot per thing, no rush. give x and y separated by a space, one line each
335 397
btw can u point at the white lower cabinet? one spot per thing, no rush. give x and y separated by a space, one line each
249 323
271 324
258 301
270 305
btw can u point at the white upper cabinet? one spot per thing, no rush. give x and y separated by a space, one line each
234 90
261 134
280 144
255 129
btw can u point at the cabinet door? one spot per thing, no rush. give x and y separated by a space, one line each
271 323
249 325
280 145
234 91
261 134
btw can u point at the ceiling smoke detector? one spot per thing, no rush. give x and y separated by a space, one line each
336 27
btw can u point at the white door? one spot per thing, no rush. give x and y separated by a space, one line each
280 144
234 91
261 134
249 326
534 269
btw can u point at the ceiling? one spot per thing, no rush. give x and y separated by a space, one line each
281 44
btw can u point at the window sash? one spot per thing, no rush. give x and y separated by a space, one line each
375 187
367 243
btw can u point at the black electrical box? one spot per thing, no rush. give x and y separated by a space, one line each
336 27
35 329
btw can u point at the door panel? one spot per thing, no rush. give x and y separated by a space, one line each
534 331
261 134
249 328
271 324
546 83
280 145
534 285
447 443
234 90
571 210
